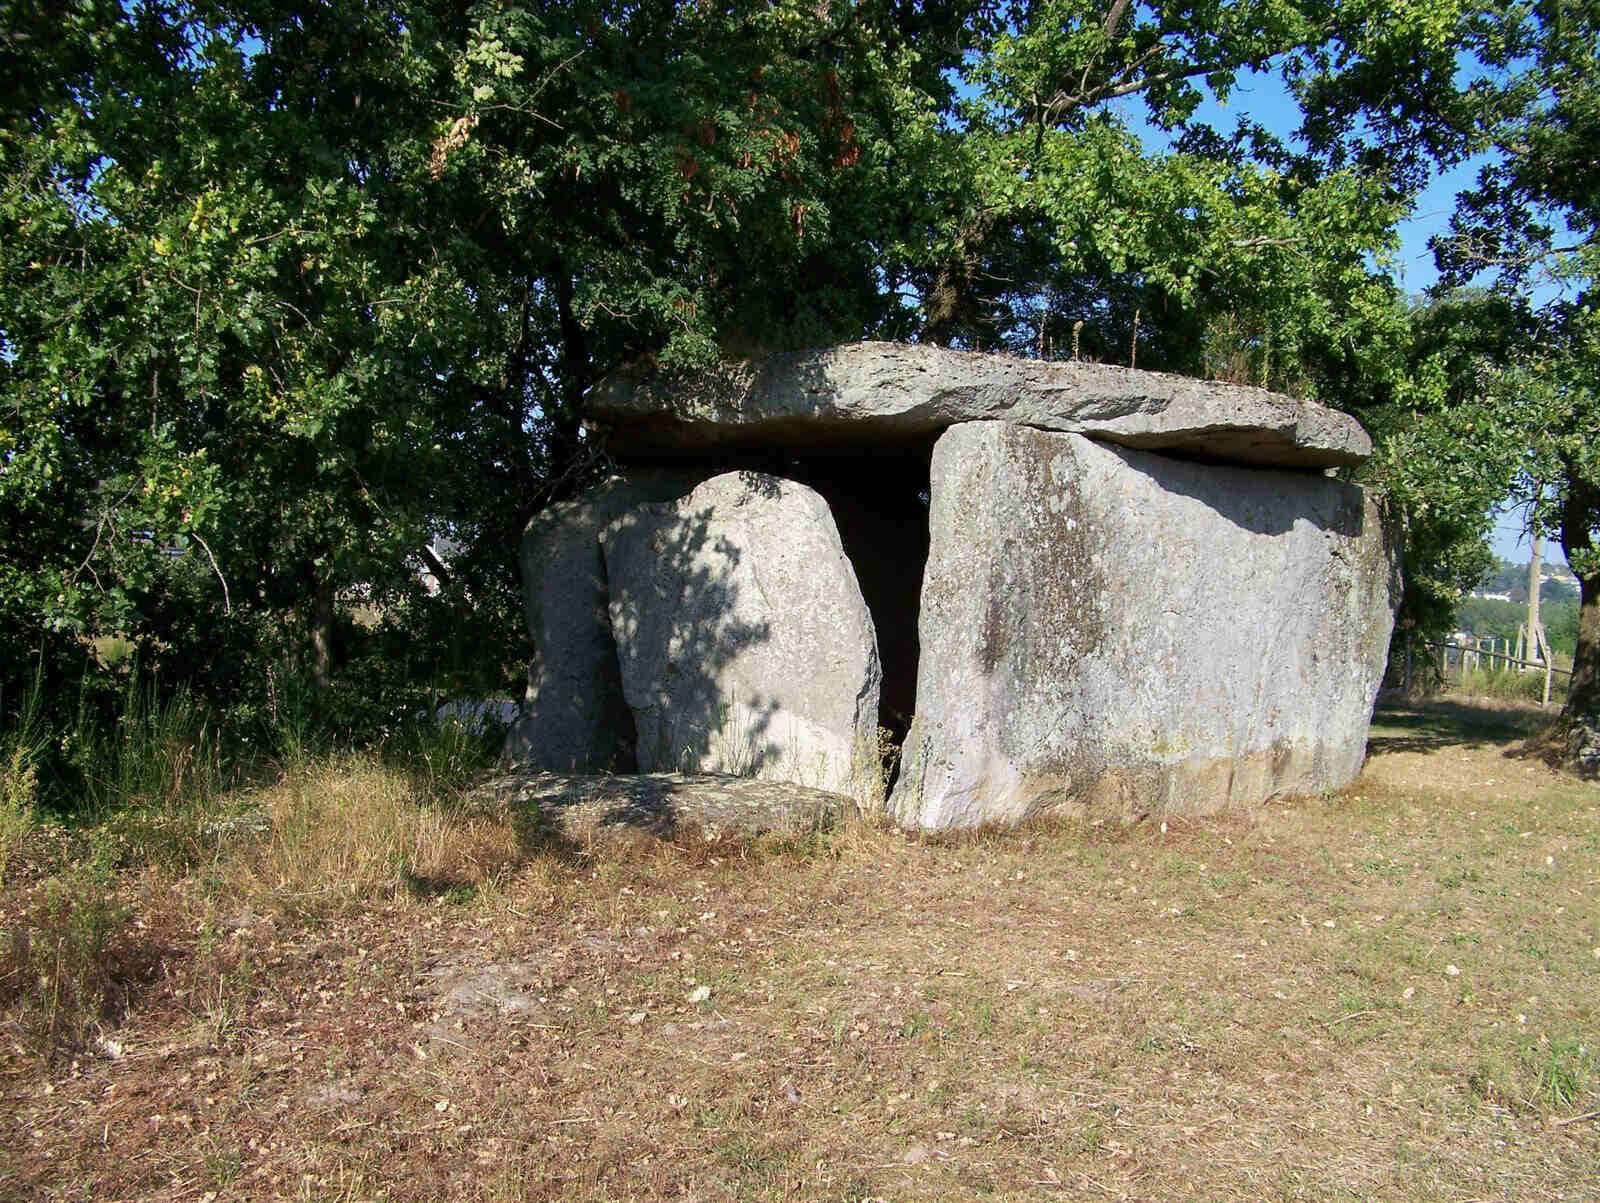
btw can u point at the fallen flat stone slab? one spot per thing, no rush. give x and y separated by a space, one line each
1114 632
582 808
886 393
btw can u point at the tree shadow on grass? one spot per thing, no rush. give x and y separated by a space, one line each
1430 724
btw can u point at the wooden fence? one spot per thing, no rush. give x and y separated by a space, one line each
1472 654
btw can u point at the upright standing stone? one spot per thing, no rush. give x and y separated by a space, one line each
1113 629
744 644
573 717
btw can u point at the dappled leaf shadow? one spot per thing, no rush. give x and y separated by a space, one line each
674 592
687 634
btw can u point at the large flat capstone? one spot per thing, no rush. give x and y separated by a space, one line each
743 641
1109 629
885 393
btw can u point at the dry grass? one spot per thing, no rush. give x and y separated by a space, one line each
355 829
1388 993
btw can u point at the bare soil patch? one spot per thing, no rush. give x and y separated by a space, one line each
1393 992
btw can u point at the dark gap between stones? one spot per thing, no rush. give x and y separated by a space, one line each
879 499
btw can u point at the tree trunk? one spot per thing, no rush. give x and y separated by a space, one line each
514 449
1535 586
322 634
1581 715
436 566
955 302
1583 698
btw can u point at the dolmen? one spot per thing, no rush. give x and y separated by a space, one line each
1056 587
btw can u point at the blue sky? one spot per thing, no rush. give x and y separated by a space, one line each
1511 543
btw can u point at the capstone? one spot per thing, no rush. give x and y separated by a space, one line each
892 394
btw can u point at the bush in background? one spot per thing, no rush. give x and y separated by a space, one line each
1511 685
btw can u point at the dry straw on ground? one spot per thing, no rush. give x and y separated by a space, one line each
1260 1005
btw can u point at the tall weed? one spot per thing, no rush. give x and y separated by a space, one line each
20 751
71 960
165 754
152 775
444 755
19 787
355 827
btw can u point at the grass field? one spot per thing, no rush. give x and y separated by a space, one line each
1392 992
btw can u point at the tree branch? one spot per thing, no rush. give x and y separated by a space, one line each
1473 253
1113 19
1245 244
1108 30
1125 83
1063 100
227 603
436 566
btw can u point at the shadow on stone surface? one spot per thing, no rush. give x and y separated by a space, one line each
878 498
721 630
1242 496
675 617
574 718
